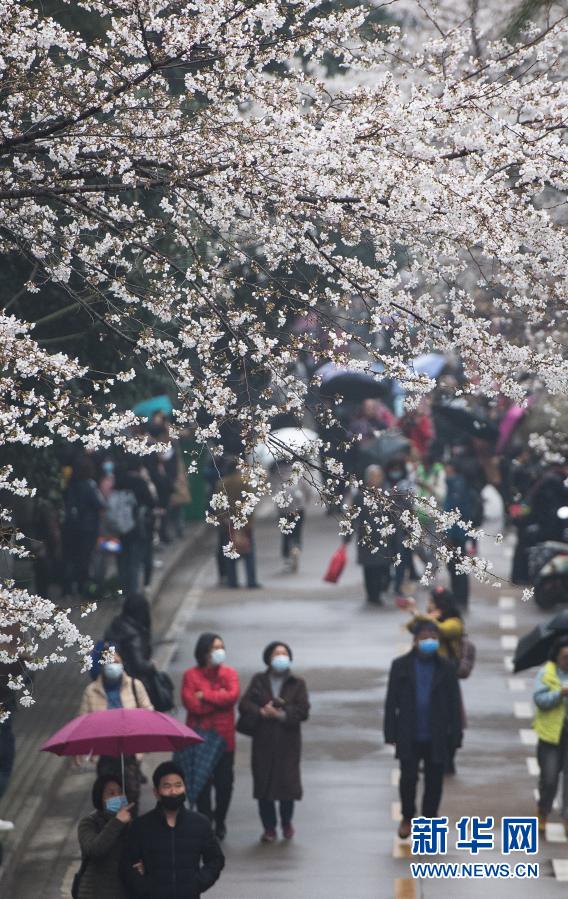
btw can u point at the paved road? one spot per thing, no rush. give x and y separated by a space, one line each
345 846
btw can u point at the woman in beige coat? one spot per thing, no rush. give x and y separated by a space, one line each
115 689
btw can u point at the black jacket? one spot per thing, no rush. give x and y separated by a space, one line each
180 862
445 707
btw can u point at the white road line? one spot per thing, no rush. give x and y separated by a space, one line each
560 868
555 833
508 663
532 766
528 737
507 602
523 709
395 777
509 641
395 811
517 684
507 622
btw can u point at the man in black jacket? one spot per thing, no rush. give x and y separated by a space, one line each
423 720
170 853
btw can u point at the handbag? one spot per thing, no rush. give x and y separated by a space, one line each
160 689
246 725
466 659
336 565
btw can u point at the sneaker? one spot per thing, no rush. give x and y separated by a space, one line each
405 828
288 831
541 823
269 836
6 825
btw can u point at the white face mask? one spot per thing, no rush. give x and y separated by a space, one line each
280 664
112 671
218 656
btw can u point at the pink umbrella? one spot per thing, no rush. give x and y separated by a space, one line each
120 732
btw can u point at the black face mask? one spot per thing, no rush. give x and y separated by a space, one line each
172 803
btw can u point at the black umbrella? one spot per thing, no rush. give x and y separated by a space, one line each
382 449
534 648
475 424
353 385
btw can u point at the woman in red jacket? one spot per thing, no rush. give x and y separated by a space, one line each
210 692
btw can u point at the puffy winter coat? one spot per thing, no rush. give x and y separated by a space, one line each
180 862
216 711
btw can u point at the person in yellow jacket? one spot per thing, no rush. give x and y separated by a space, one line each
551 725
442 609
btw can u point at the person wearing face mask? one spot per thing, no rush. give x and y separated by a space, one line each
113 688
274 706
170 852
210 692
423 720
101 838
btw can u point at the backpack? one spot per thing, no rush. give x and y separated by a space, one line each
120 517
466 658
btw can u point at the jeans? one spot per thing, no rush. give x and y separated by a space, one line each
553 761
267 812
222 780
376 580
7 754
433 780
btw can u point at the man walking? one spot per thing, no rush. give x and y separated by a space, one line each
170 852
423 720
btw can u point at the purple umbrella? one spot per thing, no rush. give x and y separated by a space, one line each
120 732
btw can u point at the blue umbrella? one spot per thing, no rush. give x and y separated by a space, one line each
148 408
198 762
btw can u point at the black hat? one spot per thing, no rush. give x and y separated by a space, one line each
270 649
203 646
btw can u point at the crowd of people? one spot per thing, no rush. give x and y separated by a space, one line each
171 850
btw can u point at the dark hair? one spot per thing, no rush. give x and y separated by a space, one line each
424 624
270 649
99 788
444 601
560 643
203 646
164 770
84 468
137 607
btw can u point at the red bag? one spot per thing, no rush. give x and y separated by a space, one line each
336 565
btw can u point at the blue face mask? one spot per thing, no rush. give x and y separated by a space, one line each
115 803
280 664
108 467
112 672
429 646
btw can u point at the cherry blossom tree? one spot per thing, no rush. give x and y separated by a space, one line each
194 176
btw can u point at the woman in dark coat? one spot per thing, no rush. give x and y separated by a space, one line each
101 838
273 708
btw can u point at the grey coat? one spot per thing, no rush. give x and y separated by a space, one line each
102 839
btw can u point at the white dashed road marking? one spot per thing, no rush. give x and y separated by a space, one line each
528 737
506 602
507 622
532 766
509 641
518 685
523 709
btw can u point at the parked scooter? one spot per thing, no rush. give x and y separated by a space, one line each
548 568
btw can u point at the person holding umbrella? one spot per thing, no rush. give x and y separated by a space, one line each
113 688
272 711
102 838
210 692
551 725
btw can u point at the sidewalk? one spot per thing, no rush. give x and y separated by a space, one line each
37 776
